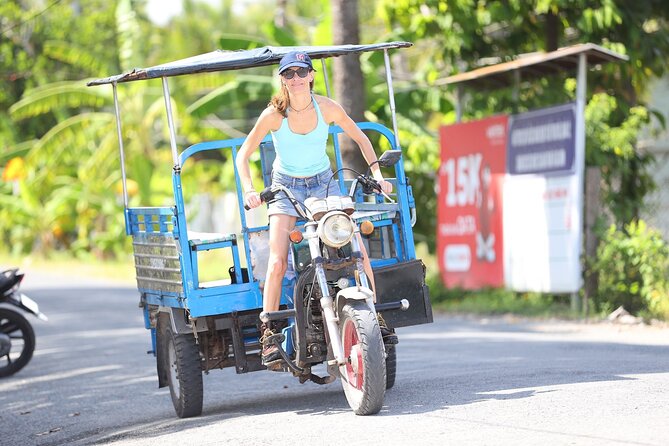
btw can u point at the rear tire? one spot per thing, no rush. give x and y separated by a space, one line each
184 373
391 365
364 376
22 338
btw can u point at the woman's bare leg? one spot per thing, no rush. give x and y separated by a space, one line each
279 228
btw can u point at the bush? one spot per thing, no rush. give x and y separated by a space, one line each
633 268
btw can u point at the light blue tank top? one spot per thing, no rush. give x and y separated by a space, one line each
301 155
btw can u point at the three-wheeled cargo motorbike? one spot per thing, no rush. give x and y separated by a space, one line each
328 313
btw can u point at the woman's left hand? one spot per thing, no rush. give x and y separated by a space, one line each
386 186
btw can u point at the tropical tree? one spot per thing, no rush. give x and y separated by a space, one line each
457 35
348 80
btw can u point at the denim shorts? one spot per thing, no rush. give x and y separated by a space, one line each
302 188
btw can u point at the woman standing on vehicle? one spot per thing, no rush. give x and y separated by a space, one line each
298 121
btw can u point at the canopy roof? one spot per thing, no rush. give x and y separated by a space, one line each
533 66
220 60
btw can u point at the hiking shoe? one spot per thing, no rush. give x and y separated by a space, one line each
270 351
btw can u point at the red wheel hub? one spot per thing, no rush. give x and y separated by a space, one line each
353 353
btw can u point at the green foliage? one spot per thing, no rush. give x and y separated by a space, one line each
452 36
610 144
633 269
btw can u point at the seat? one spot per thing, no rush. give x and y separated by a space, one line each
202 241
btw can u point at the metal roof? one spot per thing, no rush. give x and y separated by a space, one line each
533 66
220 60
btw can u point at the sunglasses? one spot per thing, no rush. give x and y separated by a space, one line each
302 72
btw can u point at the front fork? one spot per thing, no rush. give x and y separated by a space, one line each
327 302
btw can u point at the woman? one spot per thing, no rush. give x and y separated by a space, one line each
298 121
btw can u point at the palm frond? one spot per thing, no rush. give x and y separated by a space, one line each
53 96
75 56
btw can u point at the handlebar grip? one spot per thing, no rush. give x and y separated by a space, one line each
266 195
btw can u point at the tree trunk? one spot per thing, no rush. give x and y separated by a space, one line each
552 31
348 82
280 13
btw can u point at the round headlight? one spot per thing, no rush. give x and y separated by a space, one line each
335 229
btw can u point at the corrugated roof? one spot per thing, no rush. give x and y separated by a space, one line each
533 66
233 60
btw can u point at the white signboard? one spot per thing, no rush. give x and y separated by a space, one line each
542 196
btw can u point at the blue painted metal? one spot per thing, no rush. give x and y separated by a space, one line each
222 299
287 343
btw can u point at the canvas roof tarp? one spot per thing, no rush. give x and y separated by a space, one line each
220 60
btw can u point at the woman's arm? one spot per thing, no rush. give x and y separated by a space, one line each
339 116
263 125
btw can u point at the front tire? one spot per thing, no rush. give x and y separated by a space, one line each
184 373
21 336
364 375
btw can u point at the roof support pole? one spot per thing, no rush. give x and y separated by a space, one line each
120 146
391 96
170 123
581 86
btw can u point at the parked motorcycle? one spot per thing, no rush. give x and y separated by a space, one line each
17 337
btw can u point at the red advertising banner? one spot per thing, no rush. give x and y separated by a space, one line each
469 212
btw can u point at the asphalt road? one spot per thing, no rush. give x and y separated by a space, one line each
460 381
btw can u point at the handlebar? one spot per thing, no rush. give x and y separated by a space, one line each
369 186
269 194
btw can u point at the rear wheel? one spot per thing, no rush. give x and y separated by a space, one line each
17 342
364 375
391 365
184 373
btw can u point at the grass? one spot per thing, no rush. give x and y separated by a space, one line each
66 264
493 301
497 302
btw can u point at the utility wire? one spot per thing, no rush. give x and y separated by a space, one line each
34 16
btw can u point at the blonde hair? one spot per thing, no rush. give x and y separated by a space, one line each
281 100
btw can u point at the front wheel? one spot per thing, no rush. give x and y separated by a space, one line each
364 374
17 342
184 373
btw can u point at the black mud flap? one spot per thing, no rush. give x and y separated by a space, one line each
161 349
404 281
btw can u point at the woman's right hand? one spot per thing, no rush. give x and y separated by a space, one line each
252 199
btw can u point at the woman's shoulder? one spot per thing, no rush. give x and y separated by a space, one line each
329 107
324 101
271 115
